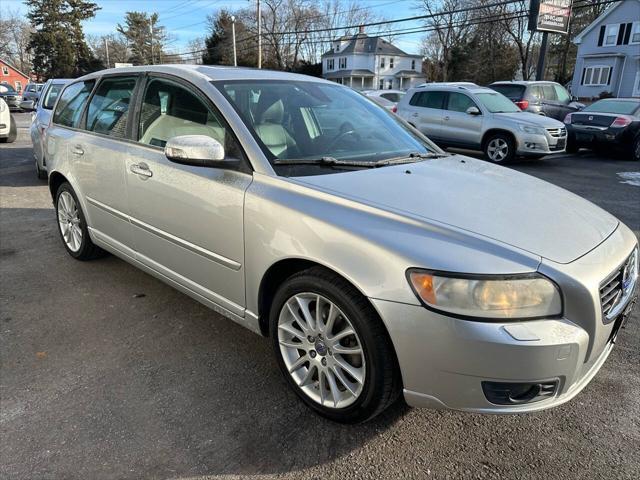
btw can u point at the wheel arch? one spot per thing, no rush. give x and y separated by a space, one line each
493 131
55 180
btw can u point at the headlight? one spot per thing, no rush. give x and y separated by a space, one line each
489 297
530 129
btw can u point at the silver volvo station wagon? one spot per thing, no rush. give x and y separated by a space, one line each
377 264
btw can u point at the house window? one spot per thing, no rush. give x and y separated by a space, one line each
596 76
413 64
343 62
337 47
611 34
5 70
391 62
330 64
635 33
381 85
381 62
18 86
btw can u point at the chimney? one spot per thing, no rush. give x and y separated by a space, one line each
361 29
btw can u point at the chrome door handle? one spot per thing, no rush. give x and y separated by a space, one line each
415 114
141 169
446 118
77 150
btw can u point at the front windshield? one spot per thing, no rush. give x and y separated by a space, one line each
299 120
622 107
497 103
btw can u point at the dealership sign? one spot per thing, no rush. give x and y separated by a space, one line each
550 15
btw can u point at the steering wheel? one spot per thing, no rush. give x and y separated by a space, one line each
346 129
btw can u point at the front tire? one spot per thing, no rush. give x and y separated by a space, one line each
72 226
500 148
635 149
332 347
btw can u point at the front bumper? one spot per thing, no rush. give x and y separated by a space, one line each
13 103
444 360
553 141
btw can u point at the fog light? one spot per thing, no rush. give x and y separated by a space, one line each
501 393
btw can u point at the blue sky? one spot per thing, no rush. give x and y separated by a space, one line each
185 19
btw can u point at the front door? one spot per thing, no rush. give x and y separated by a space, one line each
462 128
187 220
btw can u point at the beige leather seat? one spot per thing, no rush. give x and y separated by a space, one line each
270 129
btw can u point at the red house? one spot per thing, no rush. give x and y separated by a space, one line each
10 75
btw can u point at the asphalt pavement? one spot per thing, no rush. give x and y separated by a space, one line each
107 373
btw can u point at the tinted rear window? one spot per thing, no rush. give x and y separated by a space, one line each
428 99
614 106
509 91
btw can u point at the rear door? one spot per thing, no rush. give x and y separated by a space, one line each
187 220
550 104
100 153
460 127
427 112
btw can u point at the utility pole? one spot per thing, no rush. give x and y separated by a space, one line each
233 38
151 32
259 37
106 49
541 56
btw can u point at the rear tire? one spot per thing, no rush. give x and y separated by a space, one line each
318 376
72 225
500 148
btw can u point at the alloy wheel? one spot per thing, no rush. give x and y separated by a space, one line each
497 150
69 221
321 350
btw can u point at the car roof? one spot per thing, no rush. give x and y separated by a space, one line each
210 73
454 87
522 82
621 99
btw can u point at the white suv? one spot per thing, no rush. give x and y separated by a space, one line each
478 118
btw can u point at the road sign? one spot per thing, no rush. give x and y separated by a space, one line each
550 15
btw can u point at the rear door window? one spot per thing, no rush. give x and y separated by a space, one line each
72 102
429 99
109 107
562 94
549 92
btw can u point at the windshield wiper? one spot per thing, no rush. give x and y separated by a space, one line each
332 161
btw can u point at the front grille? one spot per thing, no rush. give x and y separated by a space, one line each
11 97
557 132
618 287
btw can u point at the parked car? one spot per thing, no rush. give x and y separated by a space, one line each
383 102
480 118
376 263
612 124
10 96
8 127
40 122
544 98
32 92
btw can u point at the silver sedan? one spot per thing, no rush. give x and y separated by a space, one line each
377 264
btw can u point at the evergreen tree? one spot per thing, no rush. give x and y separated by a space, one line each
58 45
139 28
219 43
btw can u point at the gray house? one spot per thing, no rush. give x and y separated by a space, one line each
364 62
609 53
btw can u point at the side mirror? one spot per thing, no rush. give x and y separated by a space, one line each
577 105
473 111
27 105
574 98
197 150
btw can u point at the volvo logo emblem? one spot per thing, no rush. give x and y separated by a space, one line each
321 348
590 117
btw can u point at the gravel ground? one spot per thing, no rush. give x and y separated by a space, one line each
107 373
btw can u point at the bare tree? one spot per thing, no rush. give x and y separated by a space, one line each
448 22
15 33
116 44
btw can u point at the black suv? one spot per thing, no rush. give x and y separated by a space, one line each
544 98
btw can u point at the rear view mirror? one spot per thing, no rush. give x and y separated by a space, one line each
197 150
28 105
473 111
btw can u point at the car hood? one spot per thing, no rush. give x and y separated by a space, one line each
488 200
531 119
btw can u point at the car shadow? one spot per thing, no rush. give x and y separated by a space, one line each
14 171
138 380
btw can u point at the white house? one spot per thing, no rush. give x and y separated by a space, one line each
609 53
364 62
